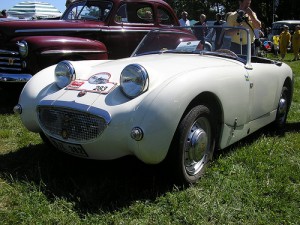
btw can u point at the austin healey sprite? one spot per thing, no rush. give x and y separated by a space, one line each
172 101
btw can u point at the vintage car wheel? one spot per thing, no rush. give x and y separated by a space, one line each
283 108
195 144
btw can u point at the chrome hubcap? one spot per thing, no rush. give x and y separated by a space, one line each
196 154
282 110
282 107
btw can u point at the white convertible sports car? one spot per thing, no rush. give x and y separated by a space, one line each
171 100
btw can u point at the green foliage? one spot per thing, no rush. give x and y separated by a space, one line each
255 181
287 9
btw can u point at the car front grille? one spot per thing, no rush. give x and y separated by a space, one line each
10 61
68 124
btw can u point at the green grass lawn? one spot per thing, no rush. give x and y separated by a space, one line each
255 181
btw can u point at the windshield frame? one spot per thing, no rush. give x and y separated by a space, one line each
80 5
156 34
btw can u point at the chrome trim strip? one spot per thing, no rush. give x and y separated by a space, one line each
8 64
10 68
7 58
5 77
7 52
80 30
54 30
71 51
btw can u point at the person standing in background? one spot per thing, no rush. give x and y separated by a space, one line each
218 30
243 17
201 32
296 42
276 44
184 21
284 41
257 43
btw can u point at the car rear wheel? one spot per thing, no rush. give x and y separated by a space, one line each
283 108
194 144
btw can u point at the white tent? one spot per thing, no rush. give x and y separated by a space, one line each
33 9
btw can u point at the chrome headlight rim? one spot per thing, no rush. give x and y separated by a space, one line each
23 48
64 74
134 80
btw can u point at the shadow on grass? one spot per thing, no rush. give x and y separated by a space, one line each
293 127
92 185
9 96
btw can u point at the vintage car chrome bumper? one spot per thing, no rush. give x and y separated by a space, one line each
14 77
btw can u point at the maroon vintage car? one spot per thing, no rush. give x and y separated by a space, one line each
91 29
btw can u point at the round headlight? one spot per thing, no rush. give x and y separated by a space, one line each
64 73
134 80
23 48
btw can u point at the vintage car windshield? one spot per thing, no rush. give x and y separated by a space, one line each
89 10
191 40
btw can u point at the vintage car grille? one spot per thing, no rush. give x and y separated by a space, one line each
67 124
10 61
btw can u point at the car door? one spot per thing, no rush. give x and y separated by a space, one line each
263 86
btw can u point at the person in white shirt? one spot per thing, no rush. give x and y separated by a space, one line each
184 21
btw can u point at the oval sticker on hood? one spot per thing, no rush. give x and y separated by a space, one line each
98 83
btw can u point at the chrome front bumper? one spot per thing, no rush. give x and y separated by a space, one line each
18 78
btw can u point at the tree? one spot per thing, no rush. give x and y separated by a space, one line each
287 9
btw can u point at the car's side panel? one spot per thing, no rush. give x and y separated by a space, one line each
265 83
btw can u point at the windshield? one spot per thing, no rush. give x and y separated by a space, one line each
221 41
90 10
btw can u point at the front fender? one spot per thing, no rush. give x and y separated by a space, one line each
43 84
163 109
44 51
62 44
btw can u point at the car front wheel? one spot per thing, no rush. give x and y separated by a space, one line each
194 144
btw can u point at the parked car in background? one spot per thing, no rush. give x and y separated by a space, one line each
88 30
277 26
172 101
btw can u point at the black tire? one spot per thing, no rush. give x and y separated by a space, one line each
193 145
283 108
45 139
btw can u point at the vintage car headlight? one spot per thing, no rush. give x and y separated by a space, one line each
23 48
134 80
64 73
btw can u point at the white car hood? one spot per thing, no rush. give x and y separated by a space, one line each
160 67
